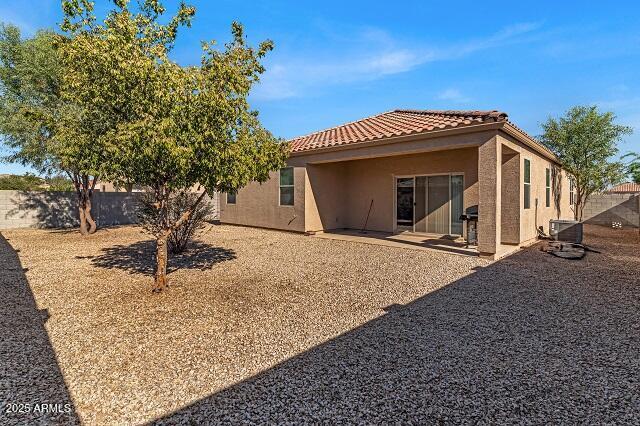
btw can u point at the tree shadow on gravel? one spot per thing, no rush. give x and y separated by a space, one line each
30 378
139 257
528 339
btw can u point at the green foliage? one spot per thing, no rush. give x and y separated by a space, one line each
58 183
179 202
29 97
30 182
633 166
163 124
38 124
585 141
27 182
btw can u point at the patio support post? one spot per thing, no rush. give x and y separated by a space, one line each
489 202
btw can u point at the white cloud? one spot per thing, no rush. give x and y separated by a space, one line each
453 95
369 55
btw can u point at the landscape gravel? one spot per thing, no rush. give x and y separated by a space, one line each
261 326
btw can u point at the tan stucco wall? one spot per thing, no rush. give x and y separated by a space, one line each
530 218
258 205
326 192
373 179
334 191
489 195
510 197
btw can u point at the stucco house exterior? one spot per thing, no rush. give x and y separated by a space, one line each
412 171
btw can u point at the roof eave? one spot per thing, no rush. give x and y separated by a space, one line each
505 126
528 141
404 138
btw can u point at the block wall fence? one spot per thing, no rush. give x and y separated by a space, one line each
44 209
604 209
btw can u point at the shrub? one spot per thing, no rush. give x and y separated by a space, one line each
150 219
28 182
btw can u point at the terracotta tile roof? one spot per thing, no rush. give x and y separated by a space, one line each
627 187
393 123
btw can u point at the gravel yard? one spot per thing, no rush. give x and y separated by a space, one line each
267 326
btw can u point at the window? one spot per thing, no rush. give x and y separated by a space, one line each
572 191
286 186
231 197
548 188
527 184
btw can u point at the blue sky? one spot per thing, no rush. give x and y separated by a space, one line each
339 61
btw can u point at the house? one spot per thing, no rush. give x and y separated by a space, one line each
625 188
412 171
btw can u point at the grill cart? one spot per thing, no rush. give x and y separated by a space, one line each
470 217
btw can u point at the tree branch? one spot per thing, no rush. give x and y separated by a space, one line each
185 216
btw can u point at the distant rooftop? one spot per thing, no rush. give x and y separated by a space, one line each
625 188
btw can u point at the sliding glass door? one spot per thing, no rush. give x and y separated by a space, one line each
457 207
430 204
404 203
438 205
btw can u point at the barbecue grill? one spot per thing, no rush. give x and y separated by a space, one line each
470 217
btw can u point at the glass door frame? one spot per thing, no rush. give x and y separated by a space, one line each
395 198
396 227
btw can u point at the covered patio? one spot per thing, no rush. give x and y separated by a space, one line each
417 199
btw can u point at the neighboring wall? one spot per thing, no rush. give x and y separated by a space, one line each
43 209
604 209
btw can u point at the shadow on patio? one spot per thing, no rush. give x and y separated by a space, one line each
29 373
401 240
531 338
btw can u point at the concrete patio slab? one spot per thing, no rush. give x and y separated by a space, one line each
406 240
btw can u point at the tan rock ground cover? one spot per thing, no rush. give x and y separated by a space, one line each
266 326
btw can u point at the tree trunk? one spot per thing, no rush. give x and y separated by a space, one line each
161 264
84 210
83 219
84 190
162 197
87 212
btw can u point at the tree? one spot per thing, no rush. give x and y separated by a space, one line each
164 126
179 202
585 140
33 116
633 166
58 183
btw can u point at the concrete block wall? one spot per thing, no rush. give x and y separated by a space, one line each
604 209
42 209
